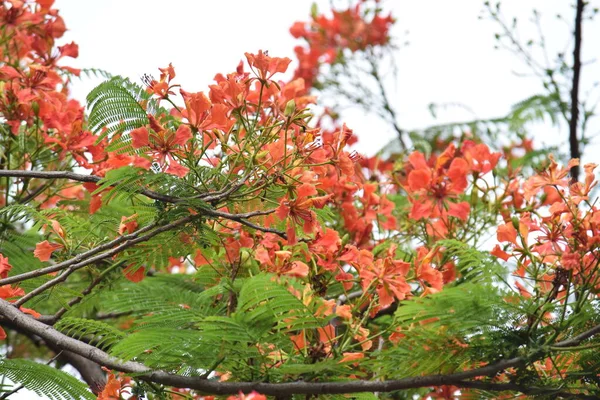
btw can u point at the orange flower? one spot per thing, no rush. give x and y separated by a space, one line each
282 264
264 66
389 276
43 250
8 292
252 396
115 387
163 144
298 211
553 175
348 357
128 224
430 189
161 88
5 267
31 312
133 274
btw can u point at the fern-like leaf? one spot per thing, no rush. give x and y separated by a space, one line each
114 108
45 381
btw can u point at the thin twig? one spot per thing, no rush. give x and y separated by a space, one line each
81 178
78 258
100 257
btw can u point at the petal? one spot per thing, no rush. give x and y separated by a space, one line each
43 250
183 134
459 210
507 233
419 179
139 137
134 275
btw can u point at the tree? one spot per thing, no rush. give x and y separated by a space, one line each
228 243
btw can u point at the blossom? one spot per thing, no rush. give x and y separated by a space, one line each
554 175
298 211
162 88
388 276
432 188
264 66
43 250
8 292
348 357
115 387
163 143
134 273
279 262
202 114
128 224
251 396
5 267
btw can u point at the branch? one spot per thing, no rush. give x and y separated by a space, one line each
80 178
387 105
82 260
91 372
51 320
208 197
573 139
51 335
530 390
241 218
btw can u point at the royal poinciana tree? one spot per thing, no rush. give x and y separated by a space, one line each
229 243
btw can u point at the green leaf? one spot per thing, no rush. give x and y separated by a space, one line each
47 382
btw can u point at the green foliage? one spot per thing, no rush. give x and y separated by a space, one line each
114 107
265 301
44 380
536 108
474 265
96 333
455 328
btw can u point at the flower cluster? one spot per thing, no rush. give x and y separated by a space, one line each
328 37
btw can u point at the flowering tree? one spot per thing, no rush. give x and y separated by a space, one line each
228 243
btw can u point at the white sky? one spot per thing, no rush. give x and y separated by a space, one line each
450 58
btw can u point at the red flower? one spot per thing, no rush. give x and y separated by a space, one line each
163 144
134 274
298 211
431 188
4 266
8 292
264 66
389 276
43 250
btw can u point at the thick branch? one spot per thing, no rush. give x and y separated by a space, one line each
573 138
50 335
91 372
556 393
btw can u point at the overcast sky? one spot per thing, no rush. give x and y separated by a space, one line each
450 59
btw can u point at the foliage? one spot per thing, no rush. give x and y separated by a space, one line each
230 242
